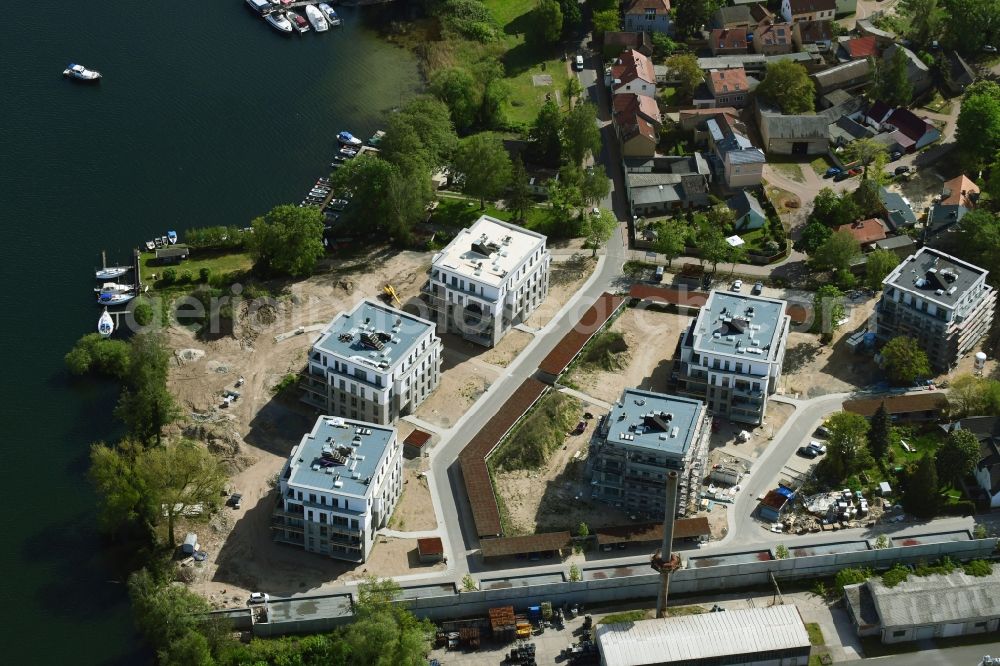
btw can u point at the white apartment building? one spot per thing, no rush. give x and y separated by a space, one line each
488 279
731 355
941 301
338 488
375 363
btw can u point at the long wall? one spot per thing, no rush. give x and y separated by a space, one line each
440 602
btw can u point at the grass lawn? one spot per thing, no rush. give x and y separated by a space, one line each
821 164
625 616
815 633
789 170
668 95
938 104
754 239
218 263
458 213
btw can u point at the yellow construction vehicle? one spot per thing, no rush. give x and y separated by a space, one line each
391 296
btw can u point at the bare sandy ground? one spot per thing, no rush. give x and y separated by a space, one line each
414 511
566 277
651 337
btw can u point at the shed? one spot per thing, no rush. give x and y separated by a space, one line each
430 550
415 444
774 503
190 544
884 489
173 254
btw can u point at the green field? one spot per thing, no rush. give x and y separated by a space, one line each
220 263
459 212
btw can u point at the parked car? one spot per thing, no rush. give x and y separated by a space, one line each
808 452
580 427
758 288
901 170
831 172
822 431
895 155
578 63
737 286
819 447
990 48
235 500
843 175
258 598
659 273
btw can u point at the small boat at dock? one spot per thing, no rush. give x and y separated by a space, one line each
81 73
376 138
110 299
329 13
316 19
348 152
111 272
299 22
348 139
259 6
172 237
279 22
105 325
114 287
150 245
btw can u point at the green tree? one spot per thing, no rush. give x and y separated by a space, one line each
94 353
143 312
546 23
594 185
847 453
165 613
456 87
969 395
685 68
607 20
572 17
691 15
191 649
826 207
519 196
598 228
484 164
145 405
864 151
421 130
979 238
384 633
879 431
390 199
880 264
581 135
711 243
179 476
892 80
837 251
288 240
582 530
671 239
814 234
850 576
957 457
572 90
977 132
787 85
828 310
921 495
927 20
904 361
972 24
121 495
866 199
546 136
663 46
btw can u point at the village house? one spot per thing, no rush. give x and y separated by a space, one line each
917 71
896 209
747 211
663 185
770 37
648 16
732 18
865 232
723 87
816 35
724 41
850 76
693 120
793 135
632 72
616 42
909 132
958 197
902 246
742 162
637 123
756 64
987 472
882 38
808 10
857 48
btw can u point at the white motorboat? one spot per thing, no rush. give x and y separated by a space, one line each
347 152
348 139
331 16
299 22
81 73
279 22
150 245
111 272
112 299
259 6
316 19
105 325
114 287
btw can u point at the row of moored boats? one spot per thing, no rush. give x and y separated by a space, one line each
278 13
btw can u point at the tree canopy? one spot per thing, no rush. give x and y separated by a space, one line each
828 309
95 353
977 132
598 228
864 151
837 251
892 80
393 199
671 239
145 405
814 234
519 196
880 264
957 457
969 395
921 495
879 432
606 20
972 24
546 136
787 85
581 135
288 240
691 15
456 87
905 361
688 73
546 25
484 164
847 452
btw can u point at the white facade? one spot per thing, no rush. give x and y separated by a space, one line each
349 377
488 279
336 509
808 10
732 354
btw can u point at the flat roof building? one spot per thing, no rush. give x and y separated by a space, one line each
754 636
374 363
939 300
645 435
731 355
338 488
488 279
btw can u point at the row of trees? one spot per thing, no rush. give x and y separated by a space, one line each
963 25
174 621
706 230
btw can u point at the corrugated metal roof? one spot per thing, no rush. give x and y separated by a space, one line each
921 600
532 543
683 639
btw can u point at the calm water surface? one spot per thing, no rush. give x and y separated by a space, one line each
205 116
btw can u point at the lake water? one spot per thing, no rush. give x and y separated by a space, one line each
205 116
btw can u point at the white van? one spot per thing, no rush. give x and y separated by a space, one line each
578 63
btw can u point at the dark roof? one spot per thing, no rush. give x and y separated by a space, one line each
942 217
909 123
417 438
739 14
640 41
171 252
807 6
774 500
861 605
898 210
478 485
642 532
743 203
571 344
533 543
899 404
894 242
811 32
878 110
430 546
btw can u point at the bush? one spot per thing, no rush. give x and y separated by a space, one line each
539 433
143 313
850 576
205 274
169 276
978 568
187 277
896 575
574 573
781 551
93 353
287 382
605 350
960 508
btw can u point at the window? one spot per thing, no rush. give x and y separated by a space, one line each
899 634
